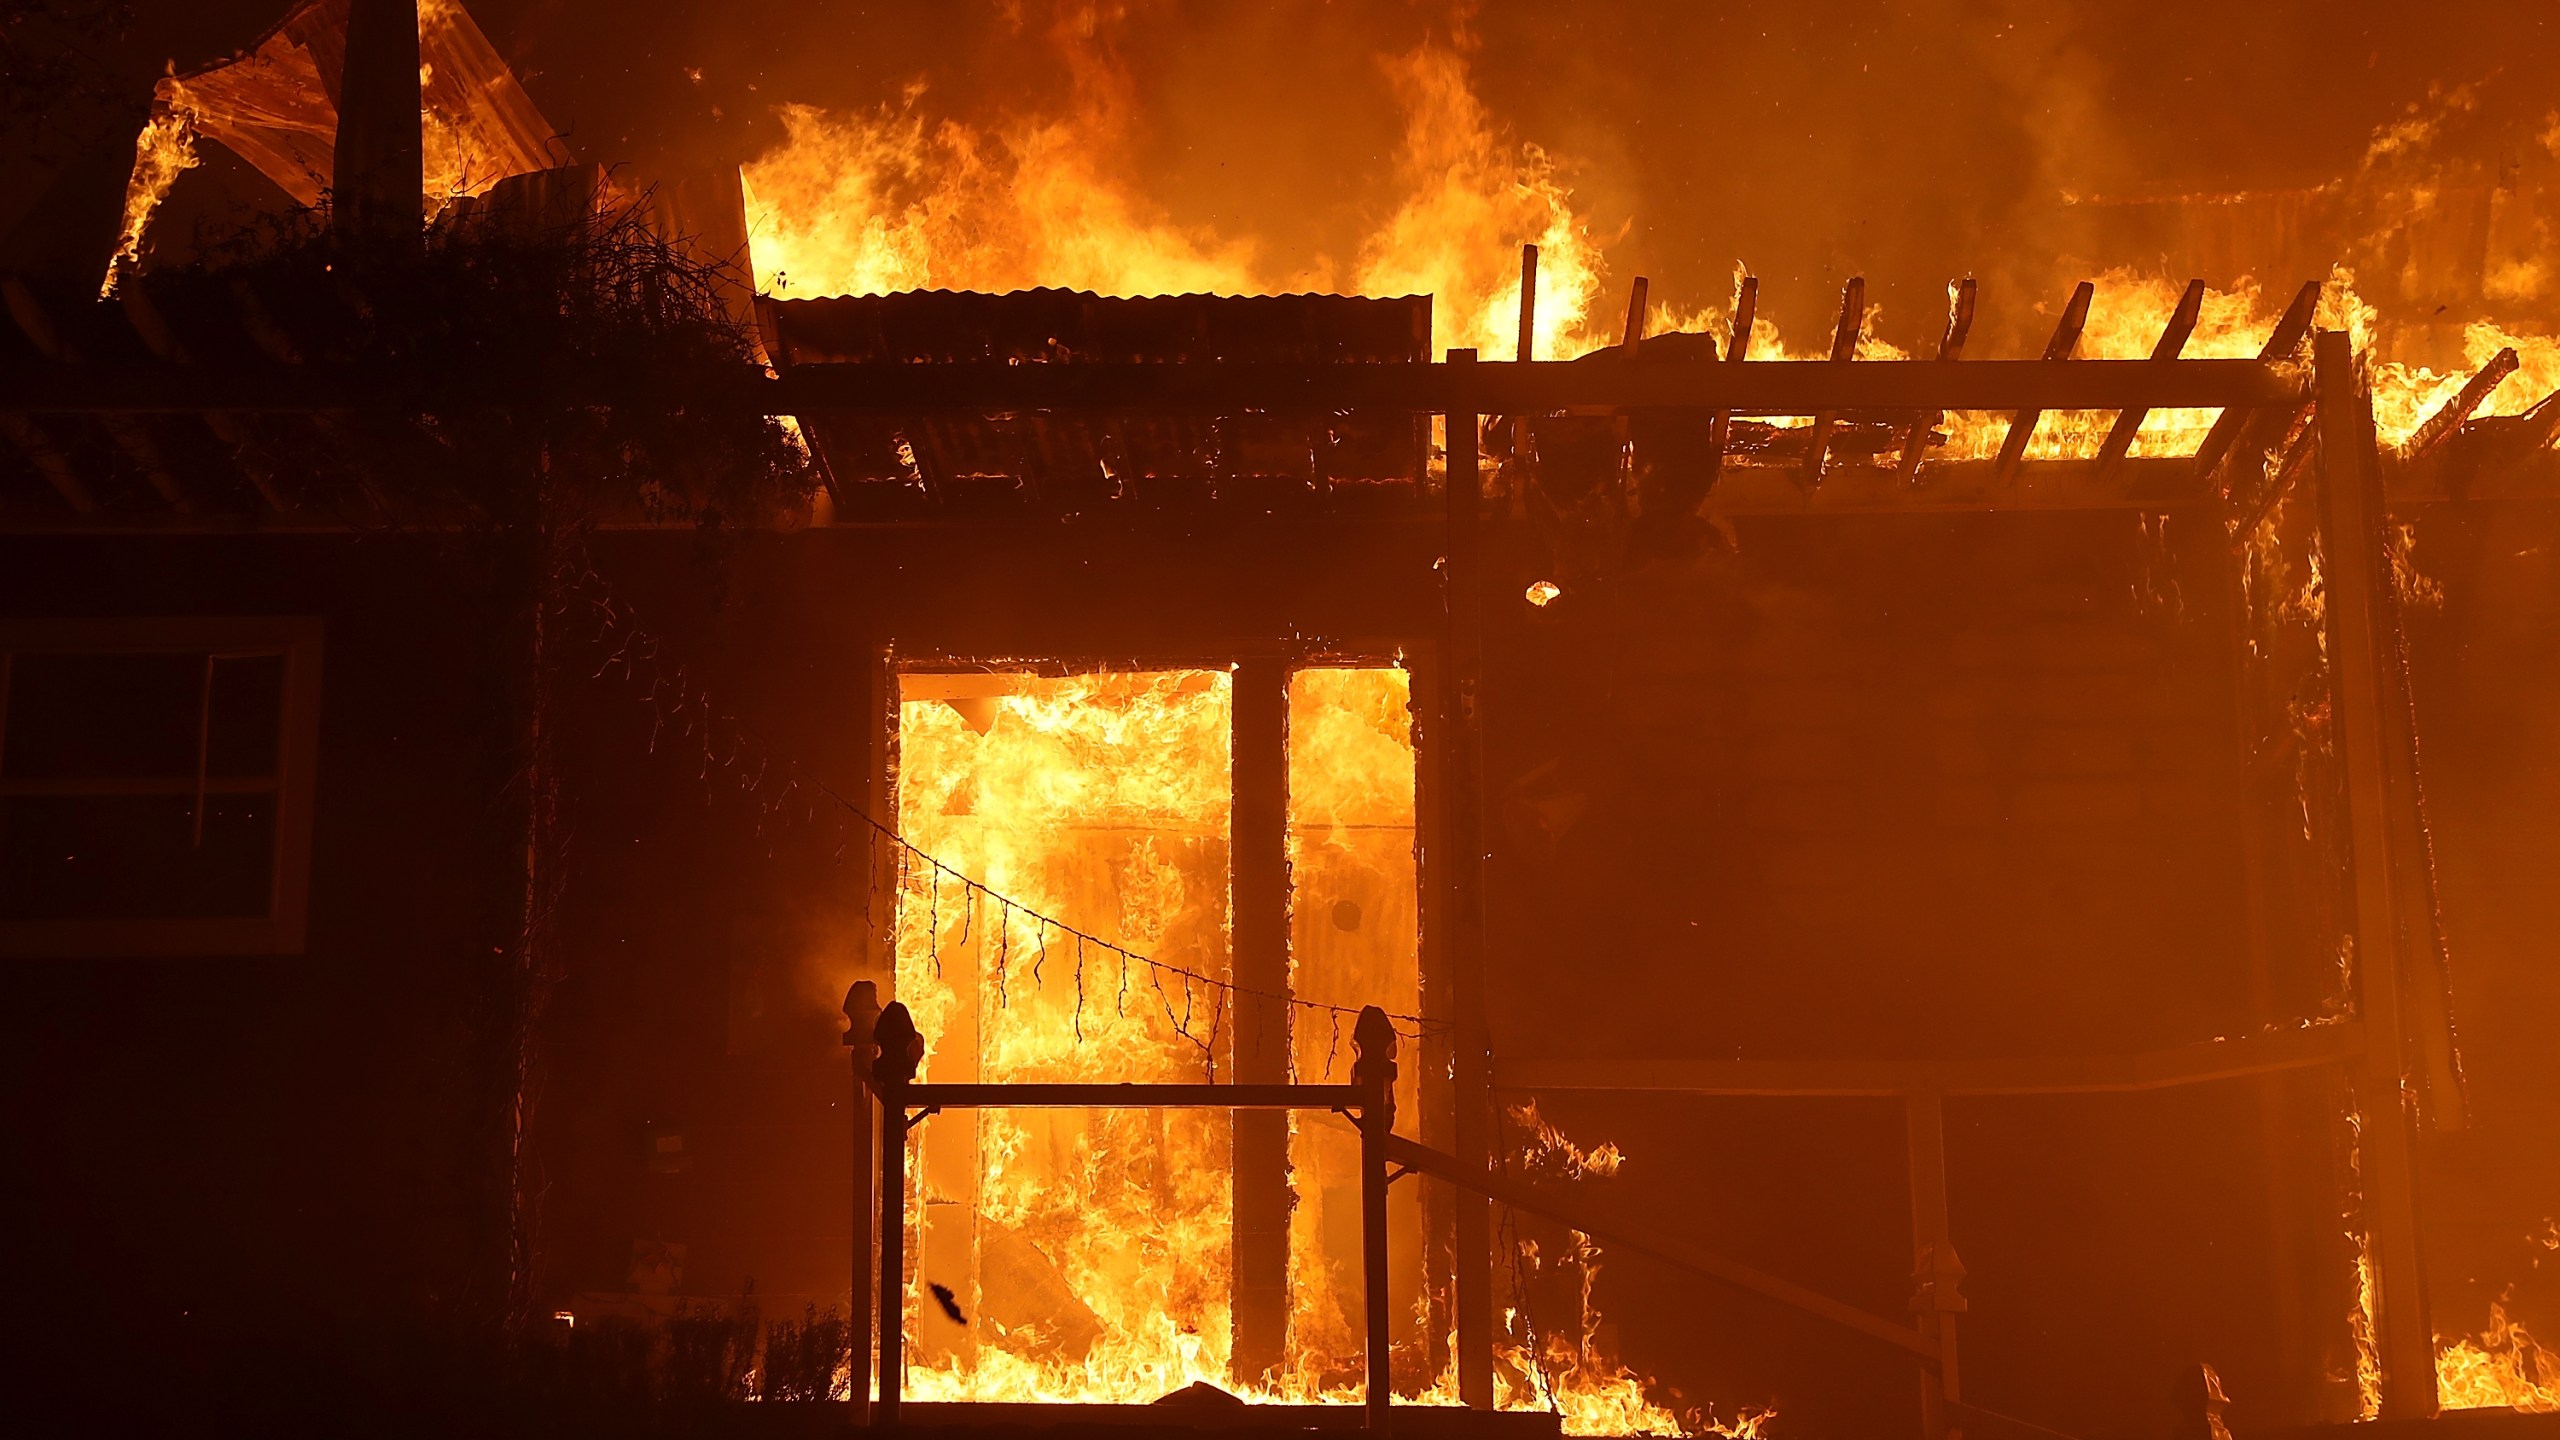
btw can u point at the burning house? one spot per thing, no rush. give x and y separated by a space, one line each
964 809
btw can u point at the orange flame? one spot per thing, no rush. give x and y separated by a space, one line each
165 149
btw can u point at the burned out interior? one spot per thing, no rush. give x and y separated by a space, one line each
903 773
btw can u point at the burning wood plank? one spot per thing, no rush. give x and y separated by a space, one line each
2173 339
2281 344
1915 441
1844 348
2449 417
2066 339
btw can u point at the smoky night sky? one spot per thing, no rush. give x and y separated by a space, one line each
1909 142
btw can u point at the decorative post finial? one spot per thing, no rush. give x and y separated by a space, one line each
901 1045
861 1012
1373 1047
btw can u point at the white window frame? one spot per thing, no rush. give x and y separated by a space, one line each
280 931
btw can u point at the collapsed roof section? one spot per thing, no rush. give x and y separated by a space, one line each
277 105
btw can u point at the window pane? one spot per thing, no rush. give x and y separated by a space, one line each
247 716
134 857
77 716
1354 939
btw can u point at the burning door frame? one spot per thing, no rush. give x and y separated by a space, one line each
1236 1007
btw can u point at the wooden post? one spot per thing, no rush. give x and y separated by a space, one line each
1259 847
1935 1272
1462 904
862 1026
2355 570
1373 1043
1524 437
900 1049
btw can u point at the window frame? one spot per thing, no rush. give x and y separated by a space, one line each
297 639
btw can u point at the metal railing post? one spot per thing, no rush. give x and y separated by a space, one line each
901 1048
862 1024
1373 1042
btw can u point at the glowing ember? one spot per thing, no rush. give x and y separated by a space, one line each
1542 593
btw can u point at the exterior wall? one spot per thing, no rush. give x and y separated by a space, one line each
1918 786
239 1178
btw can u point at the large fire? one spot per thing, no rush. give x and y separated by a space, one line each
897 200
1089 1254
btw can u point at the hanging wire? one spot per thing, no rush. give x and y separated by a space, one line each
672 698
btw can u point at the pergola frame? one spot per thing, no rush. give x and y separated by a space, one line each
2261 400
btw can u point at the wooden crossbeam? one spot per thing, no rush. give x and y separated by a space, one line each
2282 343
1844 348
1590 1219
2066 339
2173 339
2307 1048
38 326
1208 388
153 327
2450 416
1915 441
41 449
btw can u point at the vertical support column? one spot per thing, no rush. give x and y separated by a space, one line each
900 1050
2355 569
862 1026
1259 860
880 960
1461 773
1373 1042
378 179
1936 1273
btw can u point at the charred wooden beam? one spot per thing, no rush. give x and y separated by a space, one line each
2058 350
46 336
2355 574
1632 336
1844 348
1592 1220
162 341
1458 897
1737 348
43 451
1260 914
1915 441
2267 1054
2173 339
1209 388
2450 416
1523 437
2282 342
